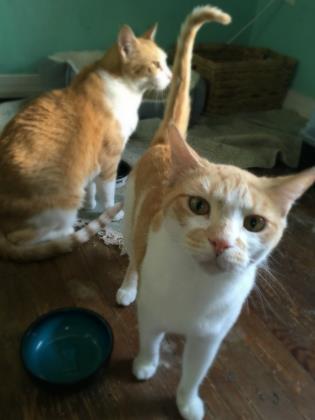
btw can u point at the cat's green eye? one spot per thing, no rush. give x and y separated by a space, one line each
157 64
254 223
199 205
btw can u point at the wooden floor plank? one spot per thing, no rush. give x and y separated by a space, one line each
274 359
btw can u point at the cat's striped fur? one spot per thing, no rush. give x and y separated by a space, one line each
66 142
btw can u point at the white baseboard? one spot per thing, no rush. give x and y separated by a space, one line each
20 85
304 105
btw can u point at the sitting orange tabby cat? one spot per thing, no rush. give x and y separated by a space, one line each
57 146
195 233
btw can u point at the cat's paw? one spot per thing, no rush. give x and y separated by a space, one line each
143 368
190 409
89 204
119 216
126 296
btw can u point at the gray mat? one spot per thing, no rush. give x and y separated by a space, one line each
245 140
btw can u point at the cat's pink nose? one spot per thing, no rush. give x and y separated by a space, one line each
219 245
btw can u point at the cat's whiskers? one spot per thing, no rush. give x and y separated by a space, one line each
270 304
274 284
158 95
262 298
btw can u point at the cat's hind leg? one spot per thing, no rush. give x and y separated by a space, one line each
198 355
54 224
22 236
45 226
147 361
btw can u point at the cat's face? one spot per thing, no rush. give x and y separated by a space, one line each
224 218
143 61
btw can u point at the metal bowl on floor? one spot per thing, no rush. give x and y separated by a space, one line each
67 347
122 173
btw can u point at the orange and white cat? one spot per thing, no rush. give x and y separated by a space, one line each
67 142
195 233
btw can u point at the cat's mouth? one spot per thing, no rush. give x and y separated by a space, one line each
161 83
231 263
209 263
210 267
222 263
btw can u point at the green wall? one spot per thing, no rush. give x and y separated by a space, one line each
33 29
242 11
290 30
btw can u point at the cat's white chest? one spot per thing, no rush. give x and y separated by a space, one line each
185 299
123 103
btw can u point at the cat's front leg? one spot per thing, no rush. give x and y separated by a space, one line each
106 194
198 356
90 196
127 292
147 361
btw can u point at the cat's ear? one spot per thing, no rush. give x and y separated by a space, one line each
126 41
151 32
183 157
285 190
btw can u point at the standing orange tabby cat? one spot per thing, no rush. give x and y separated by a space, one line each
65 146
195 233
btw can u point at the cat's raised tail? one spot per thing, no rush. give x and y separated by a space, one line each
51 248
178 103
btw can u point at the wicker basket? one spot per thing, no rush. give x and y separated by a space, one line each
243 79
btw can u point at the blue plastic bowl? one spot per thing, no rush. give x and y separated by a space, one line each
67 346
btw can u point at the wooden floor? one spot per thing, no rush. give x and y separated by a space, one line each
265 369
